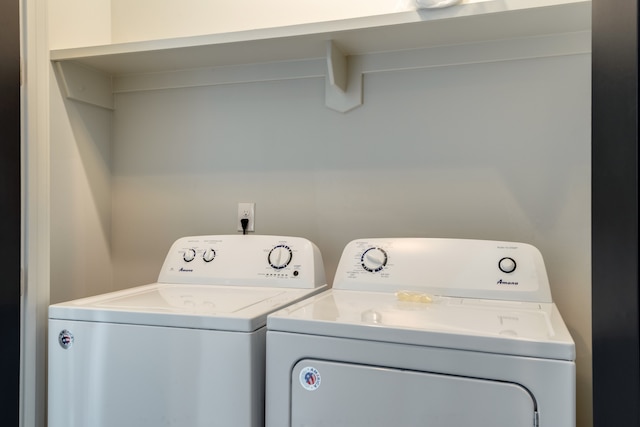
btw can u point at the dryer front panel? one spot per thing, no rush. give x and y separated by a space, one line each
325 393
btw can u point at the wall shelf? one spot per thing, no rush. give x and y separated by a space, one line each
334 42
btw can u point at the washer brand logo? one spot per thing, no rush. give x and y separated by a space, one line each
186 270
309 378
65 338
504 282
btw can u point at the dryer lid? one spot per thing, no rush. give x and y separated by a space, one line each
242 309
505 327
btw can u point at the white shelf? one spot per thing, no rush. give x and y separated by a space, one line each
335 41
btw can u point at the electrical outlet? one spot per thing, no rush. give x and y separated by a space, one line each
246 210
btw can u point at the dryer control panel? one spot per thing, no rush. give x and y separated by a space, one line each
246 260
448 267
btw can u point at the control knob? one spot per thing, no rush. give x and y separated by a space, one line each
374 259
208 255
507 265
280 256
189 255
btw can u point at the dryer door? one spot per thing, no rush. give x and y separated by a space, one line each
341 394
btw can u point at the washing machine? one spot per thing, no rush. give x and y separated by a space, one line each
188 350
424 332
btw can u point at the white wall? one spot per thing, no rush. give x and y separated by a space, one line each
80 199
145 19
74 23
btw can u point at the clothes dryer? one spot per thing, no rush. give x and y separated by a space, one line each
424 332
188 350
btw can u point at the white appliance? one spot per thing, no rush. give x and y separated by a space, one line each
424 332
187 351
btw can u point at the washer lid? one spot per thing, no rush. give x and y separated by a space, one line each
492 326
242 309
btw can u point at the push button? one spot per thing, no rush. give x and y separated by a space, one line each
507 265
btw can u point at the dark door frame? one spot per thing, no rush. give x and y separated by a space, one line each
10 211
615 296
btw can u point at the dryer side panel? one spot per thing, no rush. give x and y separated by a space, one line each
340 394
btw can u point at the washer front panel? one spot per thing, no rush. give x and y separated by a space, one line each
145 376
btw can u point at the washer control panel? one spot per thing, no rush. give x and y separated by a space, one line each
448 267
244 260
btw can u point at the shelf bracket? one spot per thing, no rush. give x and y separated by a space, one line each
86 84
343 84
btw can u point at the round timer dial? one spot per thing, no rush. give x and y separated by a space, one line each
208 255
280 256
189 255
374 259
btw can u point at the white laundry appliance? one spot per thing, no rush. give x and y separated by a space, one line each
424 332
187 351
